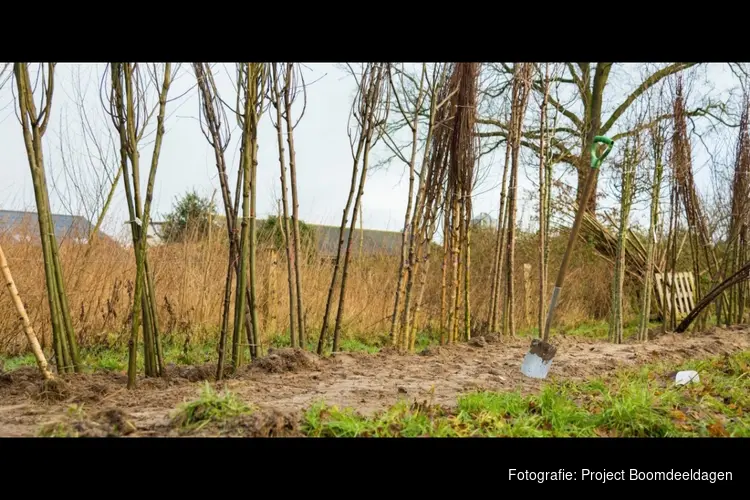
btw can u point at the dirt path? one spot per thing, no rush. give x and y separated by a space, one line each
290 381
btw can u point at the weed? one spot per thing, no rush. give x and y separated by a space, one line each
209 407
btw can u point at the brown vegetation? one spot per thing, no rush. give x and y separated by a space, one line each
101 288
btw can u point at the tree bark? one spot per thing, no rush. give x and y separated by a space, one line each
41 361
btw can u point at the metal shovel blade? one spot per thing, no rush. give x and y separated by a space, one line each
538 360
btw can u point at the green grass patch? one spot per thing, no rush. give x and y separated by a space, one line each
210 407
15 362
641 402
592 329
115 357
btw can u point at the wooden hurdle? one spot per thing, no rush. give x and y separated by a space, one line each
684 291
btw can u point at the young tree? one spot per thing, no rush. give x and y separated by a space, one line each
252 79
657 135
283 92
291 91
521 88
544 184
34 120
214 126
435 97
628 167
412 118
499 254
738 252
370 114
130 114
275 100
378 91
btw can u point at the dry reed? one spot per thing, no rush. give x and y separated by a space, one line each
100 289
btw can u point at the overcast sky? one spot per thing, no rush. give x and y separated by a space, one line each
187 162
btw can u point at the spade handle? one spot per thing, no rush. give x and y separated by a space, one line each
596 161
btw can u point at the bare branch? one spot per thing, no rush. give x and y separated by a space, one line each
643 87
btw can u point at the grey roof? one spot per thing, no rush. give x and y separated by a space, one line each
65 225
373 241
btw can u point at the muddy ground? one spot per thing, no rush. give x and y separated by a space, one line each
287 382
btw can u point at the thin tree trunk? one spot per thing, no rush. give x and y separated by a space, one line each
295 206
408 234
628 174
41 361
651 244
467 267
444 282
33 126
226 305
347 254
425 248
285 207
254 336
127 124
366 105
369 127
251 82
520 100
350 198
212 111
246 161
670 315
497 263
455 262
105 208
158 361
139 307
119 118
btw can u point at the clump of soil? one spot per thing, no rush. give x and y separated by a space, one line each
111 422
115 421
193 373
52 390
431 351
92 392
478 342
654 333
155 382
27 381
388 350
264 423
286 360
20 376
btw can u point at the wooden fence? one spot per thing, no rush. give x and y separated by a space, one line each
684 293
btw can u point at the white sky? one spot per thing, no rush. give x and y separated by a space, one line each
187 161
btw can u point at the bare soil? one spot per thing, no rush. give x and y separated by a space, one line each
286 382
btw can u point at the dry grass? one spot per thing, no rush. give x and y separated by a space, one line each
189 281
